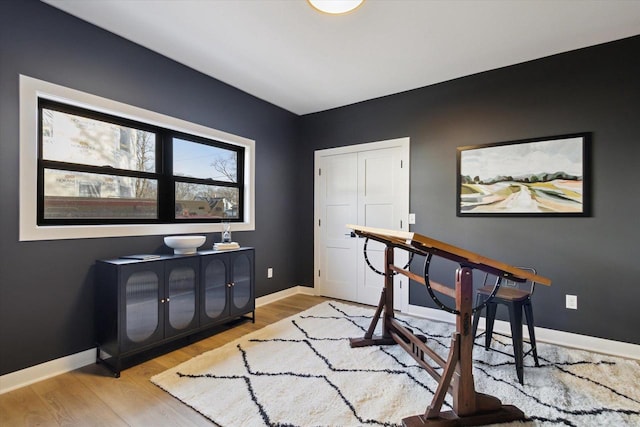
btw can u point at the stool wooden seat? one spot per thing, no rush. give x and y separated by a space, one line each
517 297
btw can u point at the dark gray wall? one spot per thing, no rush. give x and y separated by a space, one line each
46 288
591 90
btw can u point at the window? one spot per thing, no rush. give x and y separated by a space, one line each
208 179
92 167
101 169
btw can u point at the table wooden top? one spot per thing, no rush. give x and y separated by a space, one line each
418 243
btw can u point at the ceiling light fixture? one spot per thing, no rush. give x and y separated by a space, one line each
335 7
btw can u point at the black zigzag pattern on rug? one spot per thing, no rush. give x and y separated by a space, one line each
404 368
255 373
440 340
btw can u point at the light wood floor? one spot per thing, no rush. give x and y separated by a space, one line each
91 396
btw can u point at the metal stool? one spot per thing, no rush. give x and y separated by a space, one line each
517 297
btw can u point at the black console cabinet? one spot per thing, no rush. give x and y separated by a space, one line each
142 304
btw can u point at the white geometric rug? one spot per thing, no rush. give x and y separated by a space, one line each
301 371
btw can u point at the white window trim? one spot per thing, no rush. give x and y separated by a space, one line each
31 89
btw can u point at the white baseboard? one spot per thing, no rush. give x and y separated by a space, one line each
267 299
24 377
33 374
565 339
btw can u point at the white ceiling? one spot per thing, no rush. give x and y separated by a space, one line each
290 55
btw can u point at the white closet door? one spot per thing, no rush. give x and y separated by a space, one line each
381 189
366 184
338 196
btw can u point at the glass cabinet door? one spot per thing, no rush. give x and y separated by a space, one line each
142 300
181 296
241 289
215 288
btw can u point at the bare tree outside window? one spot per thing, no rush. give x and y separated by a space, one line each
145 161
227 166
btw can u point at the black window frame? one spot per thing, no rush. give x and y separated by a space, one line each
163 174
239 184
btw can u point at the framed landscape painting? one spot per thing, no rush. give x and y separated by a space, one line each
533 177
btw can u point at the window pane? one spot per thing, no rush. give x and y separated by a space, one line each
77 139
71 195
204 161
206 201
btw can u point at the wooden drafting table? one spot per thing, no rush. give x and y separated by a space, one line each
469 407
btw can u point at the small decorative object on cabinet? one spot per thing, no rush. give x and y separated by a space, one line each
142 304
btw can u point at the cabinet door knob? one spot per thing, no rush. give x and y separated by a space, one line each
167 299
162 301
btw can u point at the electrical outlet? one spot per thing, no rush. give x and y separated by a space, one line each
572 302
269 273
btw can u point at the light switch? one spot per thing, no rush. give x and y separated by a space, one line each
412 218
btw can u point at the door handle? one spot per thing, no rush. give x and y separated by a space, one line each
352 234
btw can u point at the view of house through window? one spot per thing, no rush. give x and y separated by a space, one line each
100 169
204 164
72 194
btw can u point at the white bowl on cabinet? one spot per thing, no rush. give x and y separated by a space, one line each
184 245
